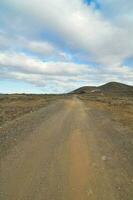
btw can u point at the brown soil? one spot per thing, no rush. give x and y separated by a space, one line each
66 151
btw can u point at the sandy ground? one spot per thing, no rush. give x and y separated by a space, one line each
66 152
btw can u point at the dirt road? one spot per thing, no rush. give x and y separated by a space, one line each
67 152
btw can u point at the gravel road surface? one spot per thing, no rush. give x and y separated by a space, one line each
66 152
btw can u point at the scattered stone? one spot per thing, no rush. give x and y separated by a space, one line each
104 158
119 188
89 193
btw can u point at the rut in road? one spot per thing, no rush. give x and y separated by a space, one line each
64 159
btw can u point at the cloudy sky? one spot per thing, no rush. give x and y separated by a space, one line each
59 45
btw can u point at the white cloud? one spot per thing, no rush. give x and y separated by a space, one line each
33 65
103 36
41 47
59 76
82 27
45 49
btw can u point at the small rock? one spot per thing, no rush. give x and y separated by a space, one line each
104 158
119 188
89 193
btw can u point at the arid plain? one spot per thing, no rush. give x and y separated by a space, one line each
76 146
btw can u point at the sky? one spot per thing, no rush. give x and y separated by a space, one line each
56 46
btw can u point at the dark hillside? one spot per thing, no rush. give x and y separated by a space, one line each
111 88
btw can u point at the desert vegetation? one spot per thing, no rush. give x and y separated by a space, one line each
13 106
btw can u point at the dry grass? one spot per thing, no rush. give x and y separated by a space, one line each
121 108
14 106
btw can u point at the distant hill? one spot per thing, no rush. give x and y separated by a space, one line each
111 88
